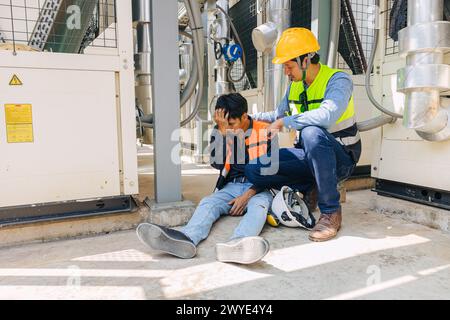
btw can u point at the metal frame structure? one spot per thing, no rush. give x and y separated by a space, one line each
320 24
165 82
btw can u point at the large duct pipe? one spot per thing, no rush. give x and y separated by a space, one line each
424 43
275 82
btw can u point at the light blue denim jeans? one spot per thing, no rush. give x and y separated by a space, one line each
211 208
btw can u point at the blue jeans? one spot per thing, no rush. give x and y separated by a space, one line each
216 205
321 161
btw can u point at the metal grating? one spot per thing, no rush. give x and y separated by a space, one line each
363 12
350 46
58 25
301 13
92 31
447 9
391 45
396 20
244 16
45 24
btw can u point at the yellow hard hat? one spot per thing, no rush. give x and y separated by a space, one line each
295 42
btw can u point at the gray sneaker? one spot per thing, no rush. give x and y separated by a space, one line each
246 250
167 240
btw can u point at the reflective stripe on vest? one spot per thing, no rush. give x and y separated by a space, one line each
257 143
348 141
301 101
342 125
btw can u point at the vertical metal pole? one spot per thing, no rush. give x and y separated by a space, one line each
335 26
166 100
320 25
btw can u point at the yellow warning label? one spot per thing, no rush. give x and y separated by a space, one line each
19 123
15 81
18 114
19 133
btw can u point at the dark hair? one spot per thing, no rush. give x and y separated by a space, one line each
314 60
234 104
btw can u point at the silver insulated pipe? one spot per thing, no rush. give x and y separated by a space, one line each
275 82
141 17
426 76
142 58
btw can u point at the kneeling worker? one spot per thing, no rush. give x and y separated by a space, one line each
319 105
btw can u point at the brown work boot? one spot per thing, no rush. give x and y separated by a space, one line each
310 199
327 227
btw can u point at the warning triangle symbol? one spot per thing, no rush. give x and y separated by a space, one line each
15 81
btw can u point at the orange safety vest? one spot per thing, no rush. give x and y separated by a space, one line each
256 144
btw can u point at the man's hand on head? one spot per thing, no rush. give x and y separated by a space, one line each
221 119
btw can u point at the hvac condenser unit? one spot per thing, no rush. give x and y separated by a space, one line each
410 163
67 137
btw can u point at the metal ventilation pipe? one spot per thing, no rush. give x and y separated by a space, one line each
275 82
141 18
142 59
424 43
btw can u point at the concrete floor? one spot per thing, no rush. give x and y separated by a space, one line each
197 181
374 257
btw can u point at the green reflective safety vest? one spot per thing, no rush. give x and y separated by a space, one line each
345 129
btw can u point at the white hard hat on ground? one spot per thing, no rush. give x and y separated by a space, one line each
290 210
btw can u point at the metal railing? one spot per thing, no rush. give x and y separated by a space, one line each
362 11
67 26
391 45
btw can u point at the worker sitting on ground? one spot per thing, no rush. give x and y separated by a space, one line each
236 140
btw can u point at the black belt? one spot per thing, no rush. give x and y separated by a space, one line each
239 180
